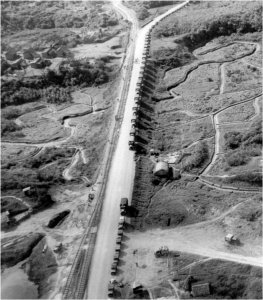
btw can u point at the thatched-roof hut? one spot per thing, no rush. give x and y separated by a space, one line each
161 168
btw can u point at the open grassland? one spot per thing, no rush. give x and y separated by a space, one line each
11 152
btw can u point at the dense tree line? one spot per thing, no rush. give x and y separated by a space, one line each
54 87
200 32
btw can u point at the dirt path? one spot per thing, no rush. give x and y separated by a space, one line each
222 77
74 160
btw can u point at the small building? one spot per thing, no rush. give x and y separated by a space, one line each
11 54
161 168
199 290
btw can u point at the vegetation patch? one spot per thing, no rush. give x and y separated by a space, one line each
210 20
241 76
197 158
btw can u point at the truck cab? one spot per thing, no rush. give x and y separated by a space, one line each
123 205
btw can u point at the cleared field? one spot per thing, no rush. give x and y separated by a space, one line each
44 129
241 76
11 153
98 50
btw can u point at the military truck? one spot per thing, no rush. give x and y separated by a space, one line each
123 205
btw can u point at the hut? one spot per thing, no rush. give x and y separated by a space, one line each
201 290
161 168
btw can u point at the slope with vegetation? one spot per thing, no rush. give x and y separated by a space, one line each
201 113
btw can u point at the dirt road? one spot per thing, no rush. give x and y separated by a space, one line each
120 182
196 239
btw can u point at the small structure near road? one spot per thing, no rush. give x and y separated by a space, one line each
161 168
200 290
231 239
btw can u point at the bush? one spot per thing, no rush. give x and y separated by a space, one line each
233 139
237 158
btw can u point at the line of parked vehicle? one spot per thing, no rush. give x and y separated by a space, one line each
138 97
121 224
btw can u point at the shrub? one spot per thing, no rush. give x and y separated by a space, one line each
233 139
200 154
237 158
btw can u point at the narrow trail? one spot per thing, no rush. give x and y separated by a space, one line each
222 76
176 294
19 199
74 160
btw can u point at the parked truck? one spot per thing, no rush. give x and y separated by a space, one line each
123 205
